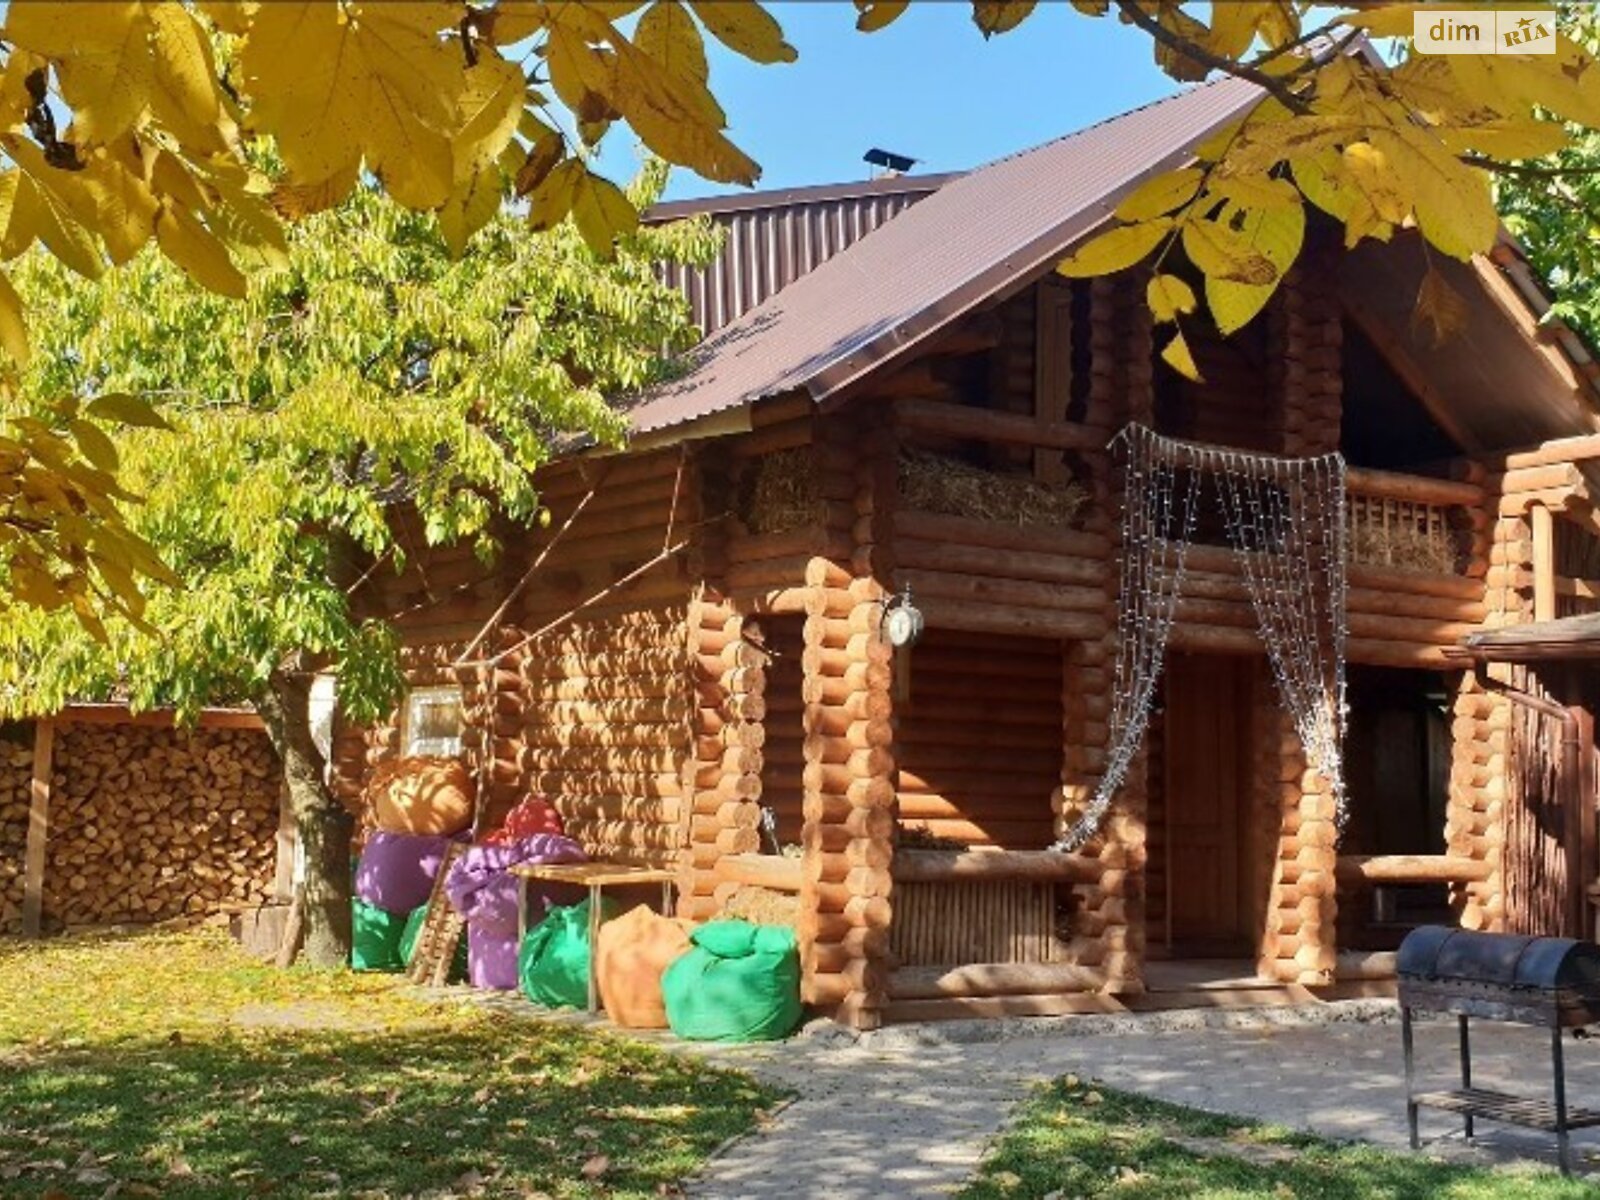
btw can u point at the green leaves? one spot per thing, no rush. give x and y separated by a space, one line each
1553 218
276 440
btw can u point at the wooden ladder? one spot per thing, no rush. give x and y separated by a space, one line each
442 930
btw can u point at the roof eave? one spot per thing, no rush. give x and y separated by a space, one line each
834 382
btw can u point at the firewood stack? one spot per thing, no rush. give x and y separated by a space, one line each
16 765
147 823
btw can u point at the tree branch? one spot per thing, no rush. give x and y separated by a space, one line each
1524 170
1270 84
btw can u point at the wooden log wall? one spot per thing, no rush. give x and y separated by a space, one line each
601 589
146 823
1480 768
606 713
1475 813
848 828
347 762
494 737
764 571
984 781
1309 336
1014 369
1299 944
1576 552
783 756
729 657
1542 511
443 593
1157 906
1108 924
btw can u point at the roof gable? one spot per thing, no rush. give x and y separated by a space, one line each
1503 382
773 238
936 260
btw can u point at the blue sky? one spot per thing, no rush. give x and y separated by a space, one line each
929 86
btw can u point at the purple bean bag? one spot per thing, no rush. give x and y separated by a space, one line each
483 891
492 958
397 870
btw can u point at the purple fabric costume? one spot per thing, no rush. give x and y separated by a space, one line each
483 891
397 870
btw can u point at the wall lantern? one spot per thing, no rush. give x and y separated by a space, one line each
902 620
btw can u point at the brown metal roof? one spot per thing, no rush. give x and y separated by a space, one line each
773 238
936 260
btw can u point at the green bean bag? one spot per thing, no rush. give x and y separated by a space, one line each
413 930
553 960
738 982
375 938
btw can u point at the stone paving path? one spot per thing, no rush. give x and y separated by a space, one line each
909 1111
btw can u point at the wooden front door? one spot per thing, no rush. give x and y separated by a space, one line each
1207 785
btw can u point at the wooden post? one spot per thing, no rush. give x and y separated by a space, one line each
288 836
44 740
1544 563
1052 390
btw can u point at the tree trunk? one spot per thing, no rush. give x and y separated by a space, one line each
325 826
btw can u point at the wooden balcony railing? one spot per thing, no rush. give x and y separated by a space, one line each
1416 523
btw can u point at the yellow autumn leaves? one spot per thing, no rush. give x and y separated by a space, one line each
127 123
120 126
64 543
1376 148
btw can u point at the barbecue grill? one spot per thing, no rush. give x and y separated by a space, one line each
1549 982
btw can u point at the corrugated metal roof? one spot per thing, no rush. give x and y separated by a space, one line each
773 238
936 260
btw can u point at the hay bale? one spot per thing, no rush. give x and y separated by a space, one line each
1405 547
778 492
938 483
762 906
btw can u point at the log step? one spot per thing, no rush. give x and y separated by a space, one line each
961 1008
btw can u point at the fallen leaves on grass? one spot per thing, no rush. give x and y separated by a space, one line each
149 1066
1120 1146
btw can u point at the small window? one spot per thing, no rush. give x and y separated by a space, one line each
431 724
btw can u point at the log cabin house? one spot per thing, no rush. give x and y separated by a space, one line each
897 391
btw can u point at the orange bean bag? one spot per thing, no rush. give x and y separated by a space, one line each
427 796
634 950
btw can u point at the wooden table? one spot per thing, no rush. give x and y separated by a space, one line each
596 876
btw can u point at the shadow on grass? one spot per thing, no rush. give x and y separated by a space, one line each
472 1106
1086 1141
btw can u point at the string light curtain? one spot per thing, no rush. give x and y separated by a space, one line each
1285 521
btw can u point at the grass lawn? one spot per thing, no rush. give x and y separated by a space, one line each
174 1065
1081 1140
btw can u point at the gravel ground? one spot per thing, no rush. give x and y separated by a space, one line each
909 1110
